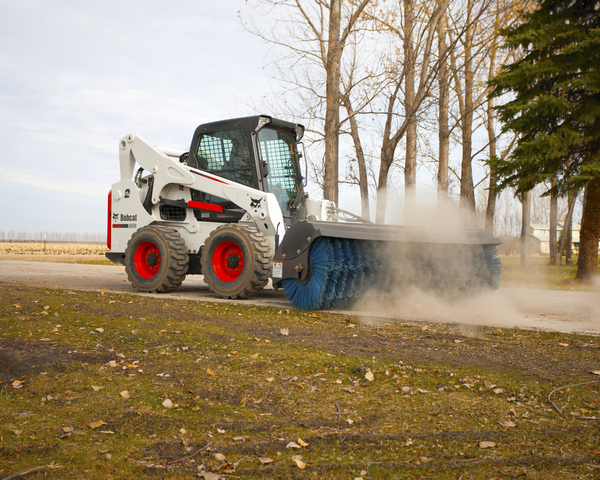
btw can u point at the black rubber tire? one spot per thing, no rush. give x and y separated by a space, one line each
168 249
257 261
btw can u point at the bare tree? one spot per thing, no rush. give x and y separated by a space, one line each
315 32
443 122
566 236
525 222
553 224
473 27
491 200
412 74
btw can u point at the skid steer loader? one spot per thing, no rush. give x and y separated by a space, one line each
233 208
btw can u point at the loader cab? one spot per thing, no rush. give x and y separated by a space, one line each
259 152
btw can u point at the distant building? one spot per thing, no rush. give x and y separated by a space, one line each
539 236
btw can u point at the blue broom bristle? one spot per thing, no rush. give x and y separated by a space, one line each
344 269
351 272
494 265
334 286
310 295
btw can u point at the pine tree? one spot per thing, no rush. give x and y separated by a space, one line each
554 106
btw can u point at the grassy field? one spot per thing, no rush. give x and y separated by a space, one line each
108 386
540 274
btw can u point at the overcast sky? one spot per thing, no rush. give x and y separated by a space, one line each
77 76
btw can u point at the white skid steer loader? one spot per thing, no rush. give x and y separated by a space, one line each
233 209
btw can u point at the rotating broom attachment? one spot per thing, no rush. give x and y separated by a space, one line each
343 270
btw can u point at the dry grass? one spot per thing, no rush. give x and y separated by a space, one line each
33 248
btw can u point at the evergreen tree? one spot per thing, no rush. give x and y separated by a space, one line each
555 108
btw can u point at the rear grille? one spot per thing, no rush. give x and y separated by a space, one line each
172 213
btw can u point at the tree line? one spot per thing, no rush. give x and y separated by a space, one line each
54 237
417 83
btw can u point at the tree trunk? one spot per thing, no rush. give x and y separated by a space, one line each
525 220
569 232
563 234
553 224
388 147
382 192
590 232
444 130
363 181
332 110
410 161
467 189
490 209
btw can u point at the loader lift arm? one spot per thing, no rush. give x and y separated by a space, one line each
262 207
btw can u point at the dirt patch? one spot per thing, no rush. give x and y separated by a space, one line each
449 345
420 343
21 359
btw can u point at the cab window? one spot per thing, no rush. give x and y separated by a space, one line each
226 154
277 148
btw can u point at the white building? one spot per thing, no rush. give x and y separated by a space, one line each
539 236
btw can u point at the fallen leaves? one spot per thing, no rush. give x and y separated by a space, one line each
17 384
209 476
302 443
97 424
299 463
486 444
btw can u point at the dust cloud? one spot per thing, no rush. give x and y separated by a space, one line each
440 283
524 308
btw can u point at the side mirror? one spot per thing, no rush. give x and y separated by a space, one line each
265 169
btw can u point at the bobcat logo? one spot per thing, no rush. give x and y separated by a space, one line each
115 216
255 203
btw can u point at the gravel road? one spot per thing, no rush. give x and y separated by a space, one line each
556 310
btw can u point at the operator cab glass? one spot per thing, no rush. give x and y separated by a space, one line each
278 149
226 154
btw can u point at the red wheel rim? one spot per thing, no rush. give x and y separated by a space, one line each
147 259
228 261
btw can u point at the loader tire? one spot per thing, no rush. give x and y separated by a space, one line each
236 261
156 259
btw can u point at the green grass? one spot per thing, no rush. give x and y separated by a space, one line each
540 274
242 388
